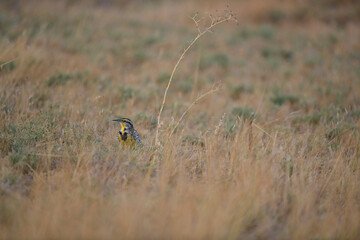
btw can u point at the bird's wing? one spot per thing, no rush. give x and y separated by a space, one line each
137 137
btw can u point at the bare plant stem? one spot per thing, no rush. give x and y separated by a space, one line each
213 90
250 136
214 22
2 65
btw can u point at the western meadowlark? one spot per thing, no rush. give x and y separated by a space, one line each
128 136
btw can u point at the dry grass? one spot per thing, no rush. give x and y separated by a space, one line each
274 153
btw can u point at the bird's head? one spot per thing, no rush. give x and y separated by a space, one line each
125 125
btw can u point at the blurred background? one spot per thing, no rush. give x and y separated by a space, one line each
274 153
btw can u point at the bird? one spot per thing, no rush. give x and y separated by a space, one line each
128 136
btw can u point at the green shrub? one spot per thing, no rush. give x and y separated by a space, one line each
312 118
219 59
237 90
19 141
312 59
147 118
163 77
126 93
276 15
7 66
244 112
185 86
58 79
238 36
140 55
266 31
152 39
279 98
274 51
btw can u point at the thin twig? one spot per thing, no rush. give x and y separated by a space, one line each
213 90
5 63
200 34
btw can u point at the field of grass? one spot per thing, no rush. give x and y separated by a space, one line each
274 153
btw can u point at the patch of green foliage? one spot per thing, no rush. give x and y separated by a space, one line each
313 59
270 51
58 78
126 93
140 55
312 118
329 114
146 118
152 39
217 59
287 165
276 15
266 31
239 35
163 77
61 78
7 66
237 90
243 112
279 98
19 140
184 86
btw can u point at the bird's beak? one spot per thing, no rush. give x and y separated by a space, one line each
117 120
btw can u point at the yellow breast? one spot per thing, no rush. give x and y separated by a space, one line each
128 142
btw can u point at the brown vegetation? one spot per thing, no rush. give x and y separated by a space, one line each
273 153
